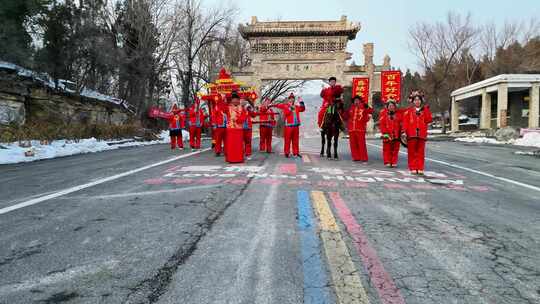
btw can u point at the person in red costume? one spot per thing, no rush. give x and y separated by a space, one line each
357 117
196 121
236 116
248 129
291 114
219 124
390 119
415 123
268 122
177 122
329 95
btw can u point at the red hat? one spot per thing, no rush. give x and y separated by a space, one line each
292 95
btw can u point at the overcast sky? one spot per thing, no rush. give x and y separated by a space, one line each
384 22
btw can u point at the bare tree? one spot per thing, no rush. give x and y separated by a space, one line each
279 88
494 39
168 19
438 46
200 30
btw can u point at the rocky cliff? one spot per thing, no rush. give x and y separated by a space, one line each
29 97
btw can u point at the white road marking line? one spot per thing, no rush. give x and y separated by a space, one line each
120 195
93 183
504 179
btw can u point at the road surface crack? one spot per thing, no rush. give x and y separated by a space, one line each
151 289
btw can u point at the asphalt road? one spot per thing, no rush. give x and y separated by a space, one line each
276 230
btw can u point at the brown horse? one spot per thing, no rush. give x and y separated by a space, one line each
331 126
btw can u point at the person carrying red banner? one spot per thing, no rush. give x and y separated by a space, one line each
291 114
248 129
415 123
390 119
177 123
219 124
357 117
329 95
234 144
196 121
268 122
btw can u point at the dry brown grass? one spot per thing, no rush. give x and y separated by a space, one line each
50 132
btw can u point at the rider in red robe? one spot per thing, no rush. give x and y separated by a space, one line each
358 116
236 116
291 115
177 122
196 121
415 123
390 119
266 128
329 95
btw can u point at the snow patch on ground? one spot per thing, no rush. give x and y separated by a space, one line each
11 153
528 140
528 153
480 140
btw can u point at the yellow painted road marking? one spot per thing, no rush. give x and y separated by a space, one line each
346 280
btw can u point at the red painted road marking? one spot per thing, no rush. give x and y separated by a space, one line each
394 186
423 187
382 281
481 188
287 169
356 185
155 181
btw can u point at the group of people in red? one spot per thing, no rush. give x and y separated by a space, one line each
193 119
232 124
395 124
409 125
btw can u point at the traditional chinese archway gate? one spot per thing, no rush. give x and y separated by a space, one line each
306 50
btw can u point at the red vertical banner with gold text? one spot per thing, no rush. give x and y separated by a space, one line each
361 87
391 86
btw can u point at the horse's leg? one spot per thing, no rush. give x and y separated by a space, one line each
322 143
336 139
329 143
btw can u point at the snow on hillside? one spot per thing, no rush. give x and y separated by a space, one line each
63 84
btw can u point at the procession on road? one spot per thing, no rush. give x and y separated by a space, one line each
231 117
269 152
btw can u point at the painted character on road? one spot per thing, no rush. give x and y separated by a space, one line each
415 123
357 117
291 114
390 120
